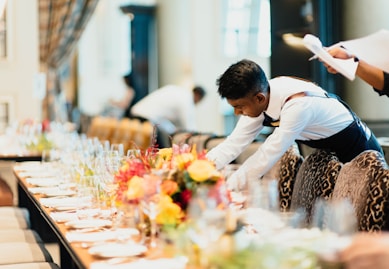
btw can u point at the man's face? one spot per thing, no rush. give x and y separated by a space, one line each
197 98
252 105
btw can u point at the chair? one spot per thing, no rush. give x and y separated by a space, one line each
14 217
285 170
181 137
364 181
315 180
213 141
19 235
248 151
102 127
31 265
6 194
144 136
199 139
23 252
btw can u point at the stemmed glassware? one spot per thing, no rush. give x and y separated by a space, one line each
208 218
119 148
150 204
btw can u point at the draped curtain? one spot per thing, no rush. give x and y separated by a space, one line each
61 23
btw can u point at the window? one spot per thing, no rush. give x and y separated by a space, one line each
3 29
246 28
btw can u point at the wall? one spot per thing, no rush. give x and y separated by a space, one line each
362 18
17 73
189 53
104 57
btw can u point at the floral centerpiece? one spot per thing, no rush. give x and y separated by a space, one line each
182 170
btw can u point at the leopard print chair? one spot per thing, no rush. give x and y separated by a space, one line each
365 182
285 171
315 180
289 165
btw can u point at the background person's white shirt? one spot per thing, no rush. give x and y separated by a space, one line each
172 107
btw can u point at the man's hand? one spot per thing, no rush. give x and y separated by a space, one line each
337 52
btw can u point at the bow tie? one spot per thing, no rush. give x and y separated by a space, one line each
270 122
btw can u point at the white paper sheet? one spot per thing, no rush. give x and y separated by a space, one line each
374 49
346 67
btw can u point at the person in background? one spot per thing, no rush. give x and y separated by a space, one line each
171 107
374 76
303 112
118 108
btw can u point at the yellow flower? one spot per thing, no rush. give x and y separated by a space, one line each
182 159
169 212
165 153
135 188
202 170
163 158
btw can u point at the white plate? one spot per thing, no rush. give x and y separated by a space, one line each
89 223
117 250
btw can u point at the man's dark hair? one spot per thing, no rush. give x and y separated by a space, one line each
241 79
199 91
129 80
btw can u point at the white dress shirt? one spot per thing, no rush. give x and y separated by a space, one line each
302 118
170 103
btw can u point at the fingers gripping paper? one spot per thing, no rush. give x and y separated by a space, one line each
346 67
372 48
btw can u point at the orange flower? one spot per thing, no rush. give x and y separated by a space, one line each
135 188
169 187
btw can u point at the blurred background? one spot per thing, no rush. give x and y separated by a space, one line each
63 60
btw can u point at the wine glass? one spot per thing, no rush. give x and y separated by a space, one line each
150 203
119 148
133 153
207 215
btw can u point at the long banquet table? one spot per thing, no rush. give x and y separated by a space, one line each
50 231
72 254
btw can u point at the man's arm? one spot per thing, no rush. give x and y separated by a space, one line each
245 131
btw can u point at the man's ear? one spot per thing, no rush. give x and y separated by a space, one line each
260 97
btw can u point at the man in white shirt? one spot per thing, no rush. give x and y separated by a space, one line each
171 107
302 111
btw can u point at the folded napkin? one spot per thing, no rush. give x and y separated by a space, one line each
75 236
61 201
43 181
64 216
39 171
28 166
172 263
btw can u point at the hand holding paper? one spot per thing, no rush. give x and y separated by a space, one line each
345 67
